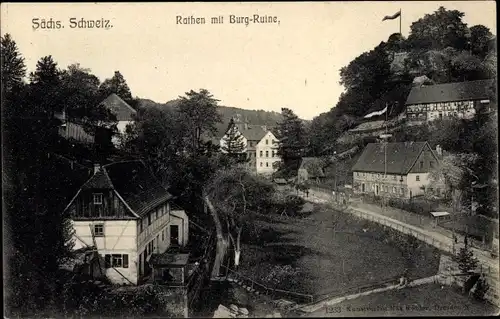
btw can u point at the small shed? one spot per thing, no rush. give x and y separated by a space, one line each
169 268
439 217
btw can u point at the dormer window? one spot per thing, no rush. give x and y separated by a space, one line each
97 198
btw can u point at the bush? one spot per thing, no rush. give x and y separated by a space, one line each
290 204
281 275
482 288
466 260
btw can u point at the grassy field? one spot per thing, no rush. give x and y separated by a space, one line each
428 300
329 252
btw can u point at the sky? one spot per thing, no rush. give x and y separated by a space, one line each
292 64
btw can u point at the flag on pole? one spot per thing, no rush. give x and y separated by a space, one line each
394 16
376 113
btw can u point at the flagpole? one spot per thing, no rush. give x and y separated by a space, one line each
400 17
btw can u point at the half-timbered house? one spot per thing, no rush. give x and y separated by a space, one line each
127 216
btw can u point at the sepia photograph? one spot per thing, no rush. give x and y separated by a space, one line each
250 159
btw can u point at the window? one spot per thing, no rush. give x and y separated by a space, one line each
267 153
394 177
431 164
261 153
417 178
99 230
357 174
97 198
402 190
158 240
260 164
116 260
421 164
158 212
267 164
162 236
149 219
267 142
140 226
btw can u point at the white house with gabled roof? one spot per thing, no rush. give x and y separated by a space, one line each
267 154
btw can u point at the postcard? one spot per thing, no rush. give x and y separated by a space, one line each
250 159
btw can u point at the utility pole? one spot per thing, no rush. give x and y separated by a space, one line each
385 137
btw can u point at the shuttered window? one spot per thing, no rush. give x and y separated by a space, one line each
116 260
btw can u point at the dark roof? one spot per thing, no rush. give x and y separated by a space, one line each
253 132
167 259
136 185
99 180
313 165
448 92
119 107
400 157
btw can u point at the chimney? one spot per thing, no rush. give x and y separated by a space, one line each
97 168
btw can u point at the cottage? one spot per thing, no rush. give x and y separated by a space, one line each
127 216
124 113
311 169
461 99
74 129
394 169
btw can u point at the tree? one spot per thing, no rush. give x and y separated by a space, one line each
119 86
82 103
292 141
479 40
441 29
369 70
13 67
236 195
467 67
466 260
200 115
36 190
234 144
